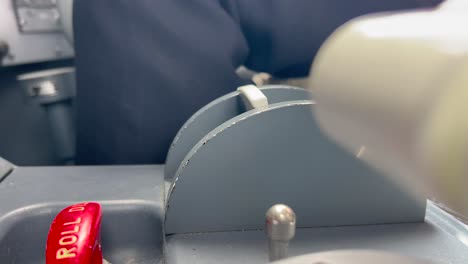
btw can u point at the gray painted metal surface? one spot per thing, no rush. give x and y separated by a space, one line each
216 113
439 239
278 155
29 47
38 185
132 199
132 228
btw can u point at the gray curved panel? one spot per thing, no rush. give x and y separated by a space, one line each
278 155
214 114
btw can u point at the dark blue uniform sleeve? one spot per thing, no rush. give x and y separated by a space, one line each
145 66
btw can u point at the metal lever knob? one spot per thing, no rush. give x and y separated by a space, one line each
280 227
74 236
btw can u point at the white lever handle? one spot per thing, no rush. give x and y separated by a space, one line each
253 97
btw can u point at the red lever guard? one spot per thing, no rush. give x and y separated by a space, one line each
74 236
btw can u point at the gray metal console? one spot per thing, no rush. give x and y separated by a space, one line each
209 207
132 199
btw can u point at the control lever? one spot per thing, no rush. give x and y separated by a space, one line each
280 227
75 236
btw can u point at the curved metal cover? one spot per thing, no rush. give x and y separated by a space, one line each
216 113
278 155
